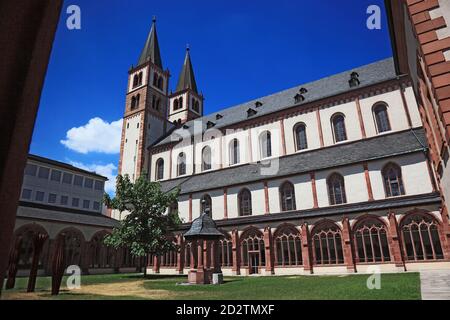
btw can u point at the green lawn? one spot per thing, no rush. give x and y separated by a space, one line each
125 286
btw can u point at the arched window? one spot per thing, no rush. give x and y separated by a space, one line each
393 182
301 141
169 259
101 256
381 118
287 197
155 80
206 158
196 106
160 169
135 81
181 103
265 143
140 79
157 104
420 233
160 83
371 243
245 203
339 131
26 250
253 253
72 247
133 103
234 152
336 189
176 105
288 247
206 205
181 167
327 244
226 251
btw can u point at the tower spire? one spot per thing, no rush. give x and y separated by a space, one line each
187 78
151 49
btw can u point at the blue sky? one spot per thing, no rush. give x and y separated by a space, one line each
240 50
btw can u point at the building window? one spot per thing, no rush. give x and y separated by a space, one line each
135 81
234 152
39 196
86 204
339 131
67 178
75 202
181 164
98 185
371 243
421 241
78 181
381 118
287 197
96 206
31 170
88 183
43 173
160 83
336 189
176 105
245 203
206 158
393 182
52 198
226 251
196 107
265 142
206 205
288 247
26 194
160 169
327 245
64 200
56 176
253 253
301 141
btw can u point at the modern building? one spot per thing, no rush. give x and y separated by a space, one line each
58 198
331 176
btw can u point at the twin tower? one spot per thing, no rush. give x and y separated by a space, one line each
150 110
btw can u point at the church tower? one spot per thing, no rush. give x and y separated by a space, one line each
185 103
145 117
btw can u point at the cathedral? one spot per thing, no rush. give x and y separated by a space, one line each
331 176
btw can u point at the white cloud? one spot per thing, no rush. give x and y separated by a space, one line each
108 170
95 136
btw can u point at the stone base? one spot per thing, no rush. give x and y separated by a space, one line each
199 277
217 278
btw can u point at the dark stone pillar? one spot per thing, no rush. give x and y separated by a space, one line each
235 242
394 242
180 254
156 263
58 265
38 243
306 249
269 251
349 258
13 263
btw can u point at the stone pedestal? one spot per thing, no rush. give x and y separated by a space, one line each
201 276
217 278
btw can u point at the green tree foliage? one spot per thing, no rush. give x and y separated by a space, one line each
146 225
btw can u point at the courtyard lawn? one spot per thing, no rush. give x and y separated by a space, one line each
404 286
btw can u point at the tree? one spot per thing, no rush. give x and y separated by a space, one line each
147 224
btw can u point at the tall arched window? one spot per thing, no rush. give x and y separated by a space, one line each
135 81
339 131
301 141
245 203
181 103
101 256
420 233
371 243
155 80
288 247
226 251
393 182
234 152
336 189
73 241
140 79
206 205
206 158
327 244
159 169
381 118
133 103
181 167
176 105
287 197
265 143
160 83
253 253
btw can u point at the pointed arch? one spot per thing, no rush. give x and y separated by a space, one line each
287 197
336 189
252 249
245 202
300 138
326 238
234 151
381 117
181 164
159 172
287 246
206 158
393 181
265 144
370 237
339 128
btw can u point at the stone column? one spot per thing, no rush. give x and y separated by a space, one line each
349 258
206 254
269 251
306 250
235 241
192 253
180 254
14 256
156 264
394 242
215 256
38 243
445 234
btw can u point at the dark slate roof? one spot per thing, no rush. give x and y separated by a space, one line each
327 87
391 203
151 49
343 154
187 78
39 213
63 165
203 227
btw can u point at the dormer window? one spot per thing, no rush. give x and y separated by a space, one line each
219 116
210 124
258 104
299 98
354 80
251 112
